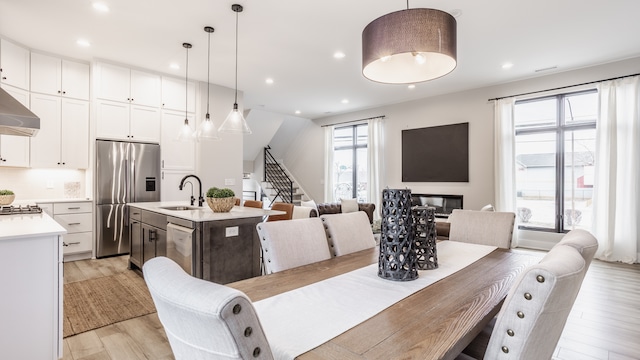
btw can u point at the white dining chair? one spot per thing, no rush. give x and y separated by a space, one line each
482 227
348 233
536 309
583 241
292 243
202 319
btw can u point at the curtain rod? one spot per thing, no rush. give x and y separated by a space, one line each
564 87
351 121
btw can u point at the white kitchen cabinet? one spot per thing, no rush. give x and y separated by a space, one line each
174 97
122 84
14 150
77 219
122 121
14 65
31 300
63 138
176 155
170 181
54 76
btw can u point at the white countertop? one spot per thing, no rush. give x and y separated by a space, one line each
204 213
31 225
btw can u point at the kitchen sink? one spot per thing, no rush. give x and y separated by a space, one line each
179 208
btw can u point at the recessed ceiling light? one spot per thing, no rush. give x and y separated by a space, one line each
269 81
174 66
339 55
83 43
298 112
412 86
100 7
507 65
345 101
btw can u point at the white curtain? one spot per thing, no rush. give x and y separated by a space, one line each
375 161
505 159
616 198
328 164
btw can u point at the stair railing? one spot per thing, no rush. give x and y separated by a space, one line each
277 176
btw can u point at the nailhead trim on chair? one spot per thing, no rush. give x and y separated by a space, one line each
527 296
510 332
520 314
248 331
540 278
505 349
237 308
256 352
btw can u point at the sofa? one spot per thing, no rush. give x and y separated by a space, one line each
336 208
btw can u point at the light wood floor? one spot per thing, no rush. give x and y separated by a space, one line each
604 323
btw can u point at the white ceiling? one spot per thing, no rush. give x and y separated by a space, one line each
293 42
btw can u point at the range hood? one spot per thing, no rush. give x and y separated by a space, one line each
15 118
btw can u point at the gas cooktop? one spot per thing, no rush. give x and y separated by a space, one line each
20 209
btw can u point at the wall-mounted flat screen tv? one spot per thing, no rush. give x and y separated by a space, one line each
436 154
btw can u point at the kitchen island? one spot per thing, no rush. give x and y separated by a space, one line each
219 247
31 301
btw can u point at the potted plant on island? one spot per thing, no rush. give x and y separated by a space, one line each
6 197
220 200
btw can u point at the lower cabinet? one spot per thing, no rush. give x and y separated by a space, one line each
77 219
147 236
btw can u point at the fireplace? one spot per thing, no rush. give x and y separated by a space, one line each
444 204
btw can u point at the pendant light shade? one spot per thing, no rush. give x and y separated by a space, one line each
409 46
207 130
185 133
235 122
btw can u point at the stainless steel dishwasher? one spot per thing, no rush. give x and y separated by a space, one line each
181 243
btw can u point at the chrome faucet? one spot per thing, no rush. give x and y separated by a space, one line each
201 198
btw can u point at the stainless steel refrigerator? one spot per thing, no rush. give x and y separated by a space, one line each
125 172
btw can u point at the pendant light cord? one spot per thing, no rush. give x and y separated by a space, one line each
186 85
236 96
208 66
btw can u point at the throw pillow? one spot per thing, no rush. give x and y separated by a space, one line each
349 205
309 203
488 208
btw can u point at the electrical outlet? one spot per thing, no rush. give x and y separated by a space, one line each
229 181
49 184
231 231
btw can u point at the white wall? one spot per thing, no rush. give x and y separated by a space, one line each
469 106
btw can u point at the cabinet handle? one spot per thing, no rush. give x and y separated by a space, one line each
73 224
58 91
152 235
4 78
73 243
64 92
74 208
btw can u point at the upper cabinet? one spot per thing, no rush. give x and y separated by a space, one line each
14 150
63 138
54 76
122 84
14 65
120 121
174 96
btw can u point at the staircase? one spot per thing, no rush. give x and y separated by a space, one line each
278 184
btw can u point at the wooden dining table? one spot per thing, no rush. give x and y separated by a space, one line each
437 322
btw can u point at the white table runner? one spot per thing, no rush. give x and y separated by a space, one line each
302 319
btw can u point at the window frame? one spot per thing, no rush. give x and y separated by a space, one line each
560 129
354 152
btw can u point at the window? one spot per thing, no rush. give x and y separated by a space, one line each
350 172
555 155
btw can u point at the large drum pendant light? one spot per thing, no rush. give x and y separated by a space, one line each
409 46
235 122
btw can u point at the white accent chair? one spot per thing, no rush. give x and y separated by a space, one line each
292 243
536 309
202 319
482 227
348 232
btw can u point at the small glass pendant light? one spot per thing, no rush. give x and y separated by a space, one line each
207 130
235 122
186 133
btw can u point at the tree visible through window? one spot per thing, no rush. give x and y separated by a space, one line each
555 155
350 171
